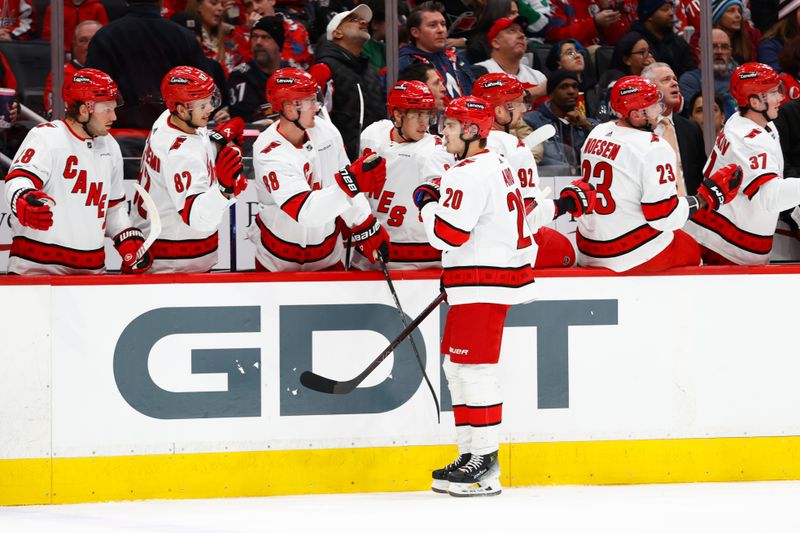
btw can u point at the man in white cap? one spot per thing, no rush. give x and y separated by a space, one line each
351 84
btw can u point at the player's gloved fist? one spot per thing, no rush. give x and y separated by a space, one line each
366 174
32 208
231 131
578 198
371 239
427 192
229 171
722 186
128 242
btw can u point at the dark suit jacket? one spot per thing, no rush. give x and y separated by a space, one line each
693 151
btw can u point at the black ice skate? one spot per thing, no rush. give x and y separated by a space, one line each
479 477
440 483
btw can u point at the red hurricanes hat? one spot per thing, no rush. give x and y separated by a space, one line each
503 23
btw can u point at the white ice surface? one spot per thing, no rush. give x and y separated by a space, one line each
764 507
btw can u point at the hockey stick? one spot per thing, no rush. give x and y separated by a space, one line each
539 135
411 337
330 386
155 221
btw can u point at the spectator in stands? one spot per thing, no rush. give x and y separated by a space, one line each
297 50
219 41
696 111
83 34
427 74
137 50
631 55
590 21
788 125
690 82
248 81
75 12
508 44
537 13
682 134
572 127
787 27
428 33
656 20
375 48
349 81
727 15
570 55
789 59
17 21
687 17
479 46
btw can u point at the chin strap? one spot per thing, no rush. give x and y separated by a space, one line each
296 121
466 142
399 129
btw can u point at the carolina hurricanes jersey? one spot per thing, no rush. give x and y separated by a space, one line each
177 170
297 228
84 177
637 208
742 229
479 224
408 164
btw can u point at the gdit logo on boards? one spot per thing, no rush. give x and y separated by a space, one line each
297 324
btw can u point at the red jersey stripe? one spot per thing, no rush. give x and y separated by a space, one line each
22 173
487 276
187 208
756 184
490 415
53 254
615 247
293 205
412 252
719 224
658 210
186 249
461 414
448 233
293 252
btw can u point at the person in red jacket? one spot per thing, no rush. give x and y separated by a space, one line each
590 21
75 11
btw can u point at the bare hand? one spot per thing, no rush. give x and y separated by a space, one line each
576 118
221 116
606 18
5 35
13 111
252 18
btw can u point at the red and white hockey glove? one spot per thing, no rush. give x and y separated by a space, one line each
371 239
229 171
722 186
427 192
32 208
577 199
231 131
127 243
366 174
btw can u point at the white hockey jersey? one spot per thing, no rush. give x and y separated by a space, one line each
637 208
407 166
479 224
298 228
84 177
177 170
742 229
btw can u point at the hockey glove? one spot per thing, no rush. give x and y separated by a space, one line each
127 243
577 199
32 208
371 239
231 131
229 171
366 174
721 187
427 192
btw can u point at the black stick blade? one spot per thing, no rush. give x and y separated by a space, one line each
318 383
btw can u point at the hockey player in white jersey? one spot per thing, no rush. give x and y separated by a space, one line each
741 232
506 94
476 216
65 188
635 226
192 174
413 156
308 190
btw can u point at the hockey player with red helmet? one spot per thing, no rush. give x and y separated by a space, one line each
65 188
307 187
413 156
741 231
476 216
637 219
192 174
506 94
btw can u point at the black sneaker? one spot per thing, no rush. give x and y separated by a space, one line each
479 477
440 483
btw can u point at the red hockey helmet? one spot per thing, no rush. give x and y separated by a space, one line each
469 110
411 94
185 84
89 85
633 92
498 88
750 79
289 84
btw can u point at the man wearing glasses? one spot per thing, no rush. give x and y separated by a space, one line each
690 82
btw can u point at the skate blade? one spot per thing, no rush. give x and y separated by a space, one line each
440 486
467 490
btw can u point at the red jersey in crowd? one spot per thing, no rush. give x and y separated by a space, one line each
574 19
74 14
